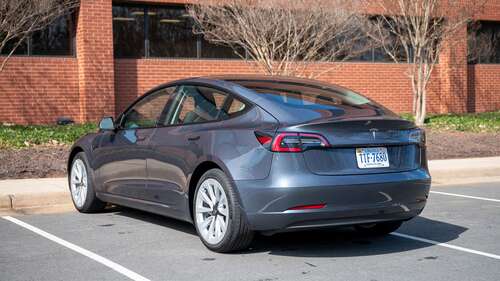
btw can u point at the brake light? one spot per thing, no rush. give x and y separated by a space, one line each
308 207
297 142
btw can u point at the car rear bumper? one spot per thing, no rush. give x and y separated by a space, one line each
349 199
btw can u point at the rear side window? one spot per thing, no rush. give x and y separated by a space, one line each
236 107
198 104
304 96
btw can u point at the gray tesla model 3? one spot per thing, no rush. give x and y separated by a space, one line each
236 155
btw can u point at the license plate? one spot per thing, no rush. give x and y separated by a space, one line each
372 157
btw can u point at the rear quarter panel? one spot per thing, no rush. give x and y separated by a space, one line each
232 145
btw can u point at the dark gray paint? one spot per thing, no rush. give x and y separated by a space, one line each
151 169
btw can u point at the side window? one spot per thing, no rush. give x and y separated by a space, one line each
235 107
196 104
148 111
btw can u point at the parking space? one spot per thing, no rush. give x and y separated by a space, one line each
25 255
158 248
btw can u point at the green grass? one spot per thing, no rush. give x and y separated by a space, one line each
17 136
471 122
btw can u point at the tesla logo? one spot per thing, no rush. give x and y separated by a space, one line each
374 132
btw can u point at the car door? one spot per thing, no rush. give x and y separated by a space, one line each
176 144
122 153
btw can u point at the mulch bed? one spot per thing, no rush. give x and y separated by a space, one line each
33 162
449 145
50 161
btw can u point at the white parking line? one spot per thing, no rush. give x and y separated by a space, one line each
446 245
116 267
465 196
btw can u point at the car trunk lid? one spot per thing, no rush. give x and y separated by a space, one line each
346 136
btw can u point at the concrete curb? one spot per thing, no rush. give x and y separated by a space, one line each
5 202
34 196
29 196
454 170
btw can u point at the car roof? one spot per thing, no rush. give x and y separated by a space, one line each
274 78
230 82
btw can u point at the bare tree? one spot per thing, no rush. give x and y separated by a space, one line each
284 37
20 18
415 32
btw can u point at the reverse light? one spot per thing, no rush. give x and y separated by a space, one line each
308 207
297 142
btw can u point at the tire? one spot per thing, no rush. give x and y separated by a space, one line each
226 211
378 229
81 186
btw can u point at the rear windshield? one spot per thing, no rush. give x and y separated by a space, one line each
305 96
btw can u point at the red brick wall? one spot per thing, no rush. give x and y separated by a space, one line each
484 87
94 50
38 90
453 77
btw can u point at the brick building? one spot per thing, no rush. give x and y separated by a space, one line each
94 63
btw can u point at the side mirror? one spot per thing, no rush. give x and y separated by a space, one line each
107 124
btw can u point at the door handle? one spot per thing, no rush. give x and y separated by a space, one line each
193 138
141 138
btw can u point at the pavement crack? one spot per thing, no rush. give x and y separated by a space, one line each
310 264
11 200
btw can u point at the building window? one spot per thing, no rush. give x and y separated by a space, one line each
484 42
21 50
170 33
160 32
210 50
128 31
55 40
166 31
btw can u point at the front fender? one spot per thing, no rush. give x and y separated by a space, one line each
86 144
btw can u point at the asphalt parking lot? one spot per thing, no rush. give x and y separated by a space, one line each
457 237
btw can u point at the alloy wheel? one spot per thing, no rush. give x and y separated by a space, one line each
79 183
212 213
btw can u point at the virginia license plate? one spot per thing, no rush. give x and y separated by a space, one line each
372 157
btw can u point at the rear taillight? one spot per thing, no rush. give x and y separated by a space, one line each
417 136
297 142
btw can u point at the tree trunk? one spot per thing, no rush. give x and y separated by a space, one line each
420 112
419 88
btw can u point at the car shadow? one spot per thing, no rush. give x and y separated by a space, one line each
334 242
345 242
163 221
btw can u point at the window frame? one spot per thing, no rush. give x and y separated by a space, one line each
119 123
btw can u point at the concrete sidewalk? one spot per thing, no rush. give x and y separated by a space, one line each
52 194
